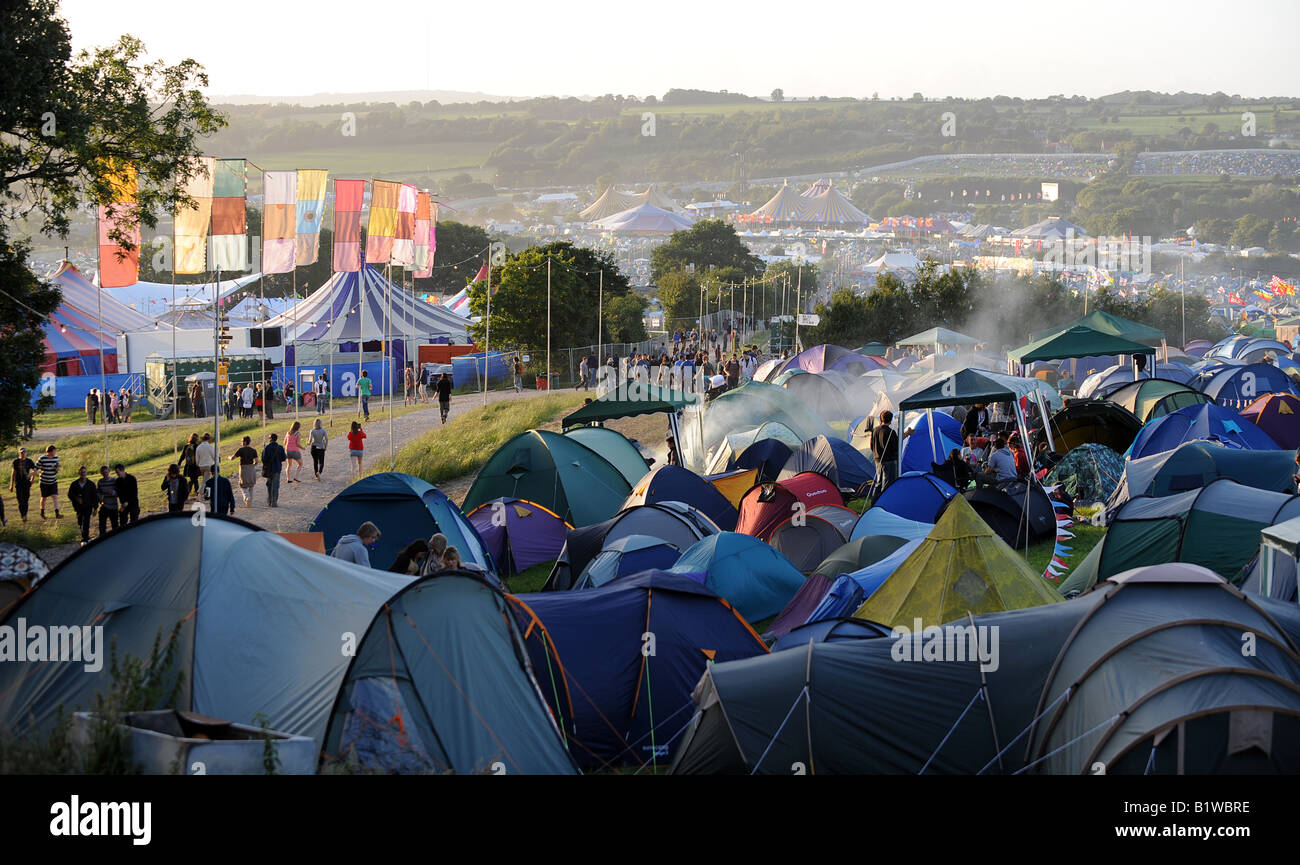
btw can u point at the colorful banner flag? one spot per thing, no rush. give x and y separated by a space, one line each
1280 286
404 234
119 267
279 220
1263 295
229 220
423 264
1235 299
311 213
192 222
381 228
348 195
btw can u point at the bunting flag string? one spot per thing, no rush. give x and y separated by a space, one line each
1057 566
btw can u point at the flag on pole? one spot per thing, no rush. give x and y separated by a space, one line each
382 226
1281 287
311 213
1235 299
119 267
279 220
347 225
404 234
229 220
192 222
423 264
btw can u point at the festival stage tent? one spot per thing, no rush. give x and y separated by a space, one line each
645 219
351 306
151 298
1051 228
73 333
654 197
830 207
786 206
610 202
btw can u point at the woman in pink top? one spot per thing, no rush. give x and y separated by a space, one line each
293 454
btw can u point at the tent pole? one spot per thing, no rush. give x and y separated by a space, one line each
388 363
988 700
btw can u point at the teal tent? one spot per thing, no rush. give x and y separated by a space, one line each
629 399
1104 322
964 387
754 578
617 450
555 471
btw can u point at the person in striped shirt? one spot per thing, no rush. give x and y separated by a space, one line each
48 466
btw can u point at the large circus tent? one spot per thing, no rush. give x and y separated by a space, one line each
645 219
610 202
354 308
86 322
819 204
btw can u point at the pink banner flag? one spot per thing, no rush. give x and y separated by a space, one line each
119 267
279 220
348 195
404 236
422 267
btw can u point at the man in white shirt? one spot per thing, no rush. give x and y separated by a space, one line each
246 400
206 456
321 389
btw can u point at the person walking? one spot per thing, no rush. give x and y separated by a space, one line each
268 400
84 498
444 396
293 454
92 405
884 447
48 467
247 457
356 448
205 456
246 401
20 481
106 489
176 488
321 389
408 385
113 407
519 375
219 496
584 375
232 401
355 547
319 439
128 496
426 385
364 388
190 464
273 457
128 404
259 401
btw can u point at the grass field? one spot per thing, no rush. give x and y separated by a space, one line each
463 445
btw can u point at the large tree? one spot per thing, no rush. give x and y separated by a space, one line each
710 243
67 122
519 301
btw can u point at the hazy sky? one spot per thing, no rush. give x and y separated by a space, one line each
831 47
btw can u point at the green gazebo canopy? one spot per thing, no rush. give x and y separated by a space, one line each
629 399
1078 341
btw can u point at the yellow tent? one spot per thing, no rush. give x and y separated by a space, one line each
961 566
734 484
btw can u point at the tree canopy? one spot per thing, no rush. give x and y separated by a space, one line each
708 243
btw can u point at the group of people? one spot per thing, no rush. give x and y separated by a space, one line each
418 558
116 405
253 400
426 385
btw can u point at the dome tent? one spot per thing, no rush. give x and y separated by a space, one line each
672 522
1194 464
1150 398
405 508
806 540
834 458
1020 512
240 595
1278 415
917 496
756 579
627 555
560 474
616 705
414 701
1208 421
518 533
676 484
616 448
767 506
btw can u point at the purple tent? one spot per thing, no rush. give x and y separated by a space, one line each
519 533
805 600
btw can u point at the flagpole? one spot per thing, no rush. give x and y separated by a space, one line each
388 366
261 290
293 317
600 314
176 396
103 378
548 322
487 336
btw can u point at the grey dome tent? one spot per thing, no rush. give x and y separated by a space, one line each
442 683
1144 674
671 522
259 619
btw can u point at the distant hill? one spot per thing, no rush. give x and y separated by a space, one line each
401 97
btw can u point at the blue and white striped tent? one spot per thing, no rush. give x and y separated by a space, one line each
348 308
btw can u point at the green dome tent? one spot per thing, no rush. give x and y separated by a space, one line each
555 471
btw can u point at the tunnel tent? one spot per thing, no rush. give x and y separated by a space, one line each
1150 398
222 584
617 450
961 567
415 701
916 496
806 540
768 505
675 523
518 533
1093 421
619 705
406 509
562 475
1216 527
1209 421
1195 464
